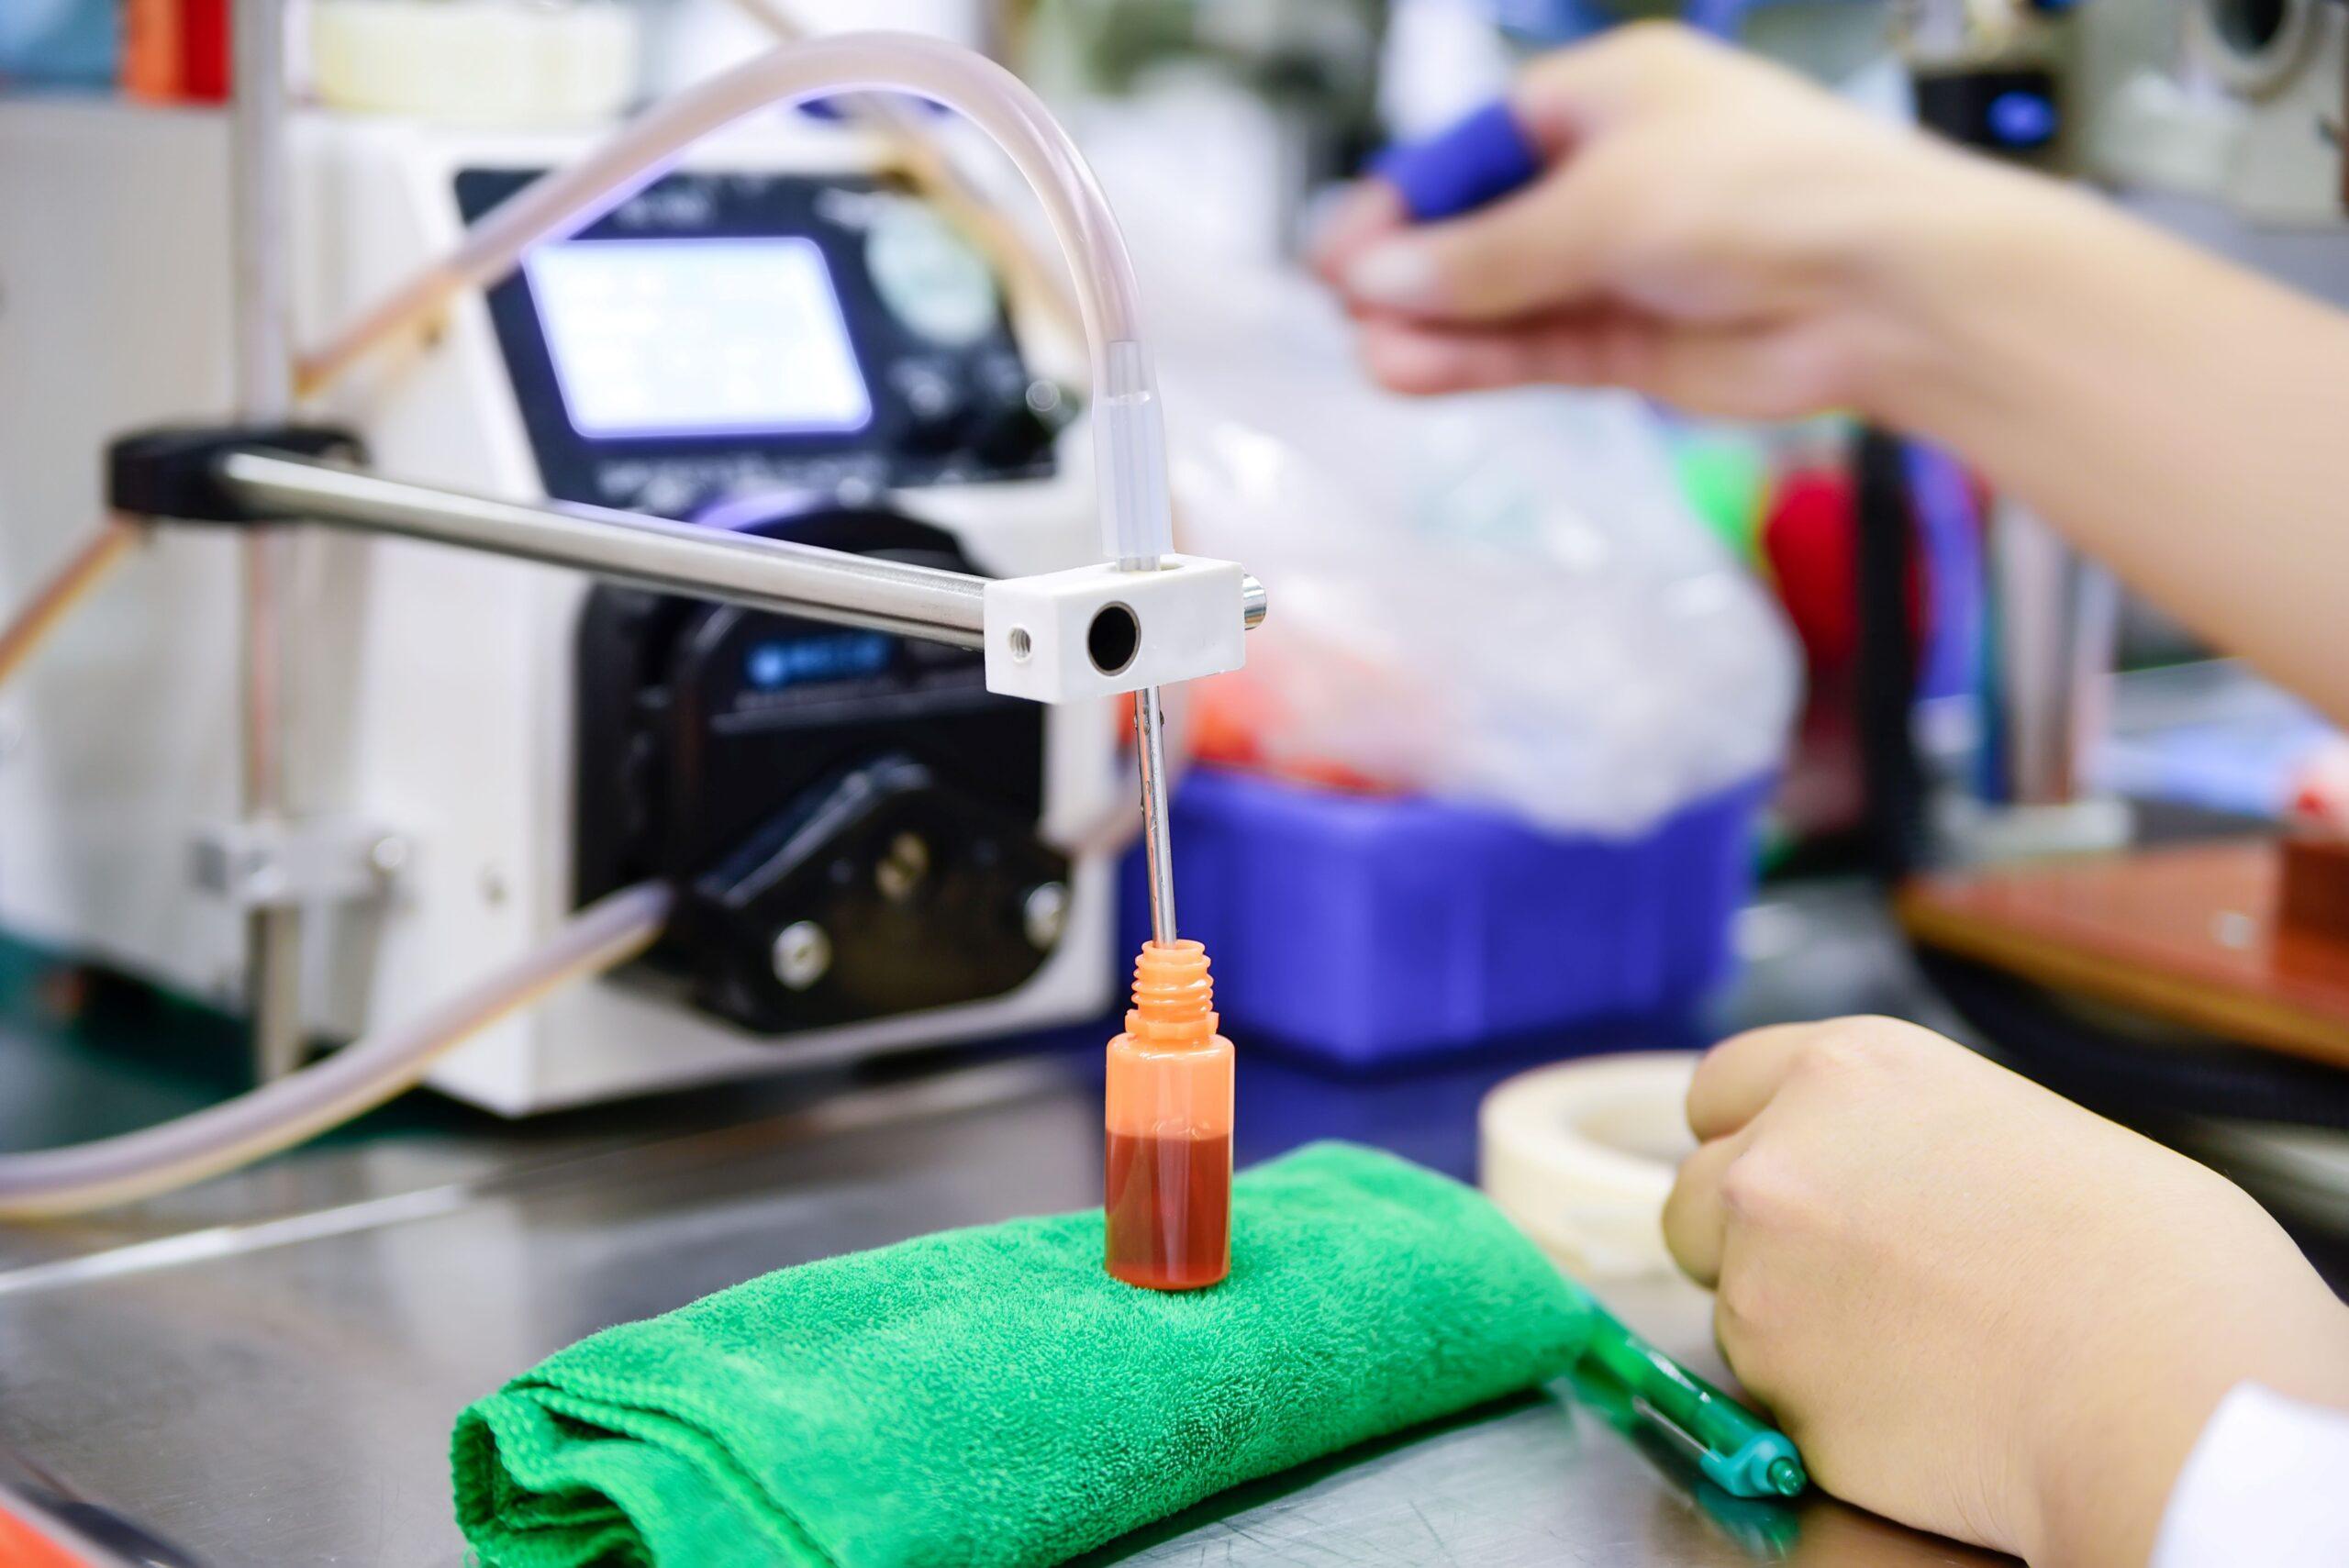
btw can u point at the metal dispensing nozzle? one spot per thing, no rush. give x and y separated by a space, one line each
1150 747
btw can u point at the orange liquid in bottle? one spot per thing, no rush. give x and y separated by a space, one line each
1167 1116
1169 1210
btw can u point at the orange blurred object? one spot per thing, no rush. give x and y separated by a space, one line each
21 1546
1229 716
175 51
1167 1117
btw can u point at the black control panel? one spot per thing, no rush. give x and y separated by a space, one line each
722 335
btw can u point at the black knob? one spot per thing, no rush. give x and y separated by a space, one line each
1011 436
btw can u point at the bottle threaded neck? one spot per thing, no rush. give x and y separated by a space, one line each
1173 998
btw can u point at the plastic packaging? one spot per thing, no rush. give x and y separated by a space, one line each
1498 597
1168 1119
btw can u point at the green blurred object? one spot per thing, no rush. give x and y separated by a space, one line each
992 1397
1318 52
1735 1450
1726 481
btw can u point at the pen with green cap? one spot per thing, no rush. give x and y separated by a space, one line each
1729 1443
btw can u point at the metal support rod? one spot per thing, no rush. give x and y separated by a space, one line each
743 569
258 189
831 585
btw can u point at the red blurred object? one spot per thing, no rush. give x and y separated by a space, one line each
205 49
1811 541
177 51
2320 800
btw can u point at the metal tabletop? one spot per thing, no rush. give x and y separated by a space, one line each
265 1370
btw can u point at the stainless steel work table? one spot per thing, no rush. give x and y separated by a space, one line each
263 1371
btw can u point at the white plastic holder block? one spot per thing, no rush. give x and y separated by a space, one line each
1099 631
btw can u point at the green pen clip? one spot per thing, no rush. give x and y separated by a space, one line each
1736 1452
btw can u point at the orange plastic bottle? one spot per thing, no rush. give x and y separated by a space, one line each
1168 1119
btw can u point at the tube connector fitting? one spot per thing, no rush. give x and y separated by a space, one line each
1129 455
1095 631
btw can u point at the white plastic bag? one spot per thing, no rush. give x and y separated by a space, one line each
1499 597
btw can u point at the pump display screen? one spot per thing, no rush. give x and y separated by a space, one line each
698 336
726 334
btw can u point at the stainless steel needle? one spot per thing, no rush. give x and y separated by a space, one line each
1150 725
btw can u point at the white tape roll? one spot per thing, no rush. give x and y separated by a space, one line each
1581 1157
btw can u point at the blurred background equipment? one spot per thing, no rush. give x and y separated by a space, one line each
61 42
2237 100
572 62
480 746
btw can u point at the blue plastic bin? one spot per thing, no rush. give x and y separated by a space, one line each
1365 931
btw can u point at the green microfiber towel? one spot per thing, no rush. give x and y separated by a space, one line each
991 1396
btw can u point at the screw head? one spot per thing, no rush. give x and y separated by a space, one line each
802 954
901 870
1043 915
387 856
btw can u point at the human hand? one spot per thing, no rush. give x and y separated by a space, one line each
1978 1308
1712 231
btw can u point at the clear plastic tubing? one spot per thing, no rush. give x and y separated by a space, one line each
1129 438
48 1183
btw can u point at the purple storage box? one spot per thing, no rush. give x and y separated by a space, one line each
1363 931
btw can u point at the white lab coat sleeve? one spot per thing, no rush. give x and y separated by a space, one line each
2263 1486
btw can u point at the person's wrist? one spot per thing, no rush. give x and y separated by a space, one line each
2124 1392
1949 239
2104 1460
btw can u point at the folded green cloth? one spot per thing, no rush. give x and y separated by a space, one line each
991 1396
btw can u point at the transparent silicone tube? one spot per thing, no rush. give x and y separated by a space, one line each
53 1181
1129 425
91 563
